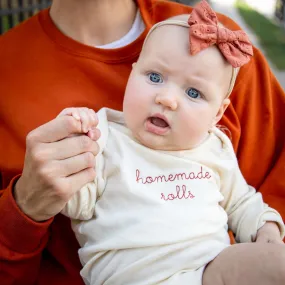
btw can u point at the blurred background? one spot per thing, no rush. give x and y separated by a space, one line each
12 12
263 20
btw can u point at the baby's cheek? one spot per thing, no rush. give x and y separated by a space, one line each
130 109
193 126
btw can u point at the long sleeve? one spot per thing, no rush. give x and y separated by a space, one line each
82 205
245 207
21 241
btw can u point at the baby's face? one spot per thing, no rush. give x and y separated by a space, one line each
172 99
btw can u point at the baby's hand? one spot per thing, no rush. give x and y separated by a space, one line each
87 117
269 233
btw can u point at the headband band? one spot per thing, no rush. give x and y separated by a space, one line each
186 25
205 31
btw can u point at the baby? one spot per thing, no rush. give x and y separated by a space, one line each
168 184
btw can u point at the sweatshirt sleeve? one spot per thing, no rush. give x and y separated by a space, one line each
245 207
22 241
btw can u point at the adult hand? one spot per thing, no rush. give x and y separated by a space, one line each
269 233
57 164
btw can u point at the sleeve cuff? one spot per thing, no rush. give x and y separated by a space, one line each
272 216
18 232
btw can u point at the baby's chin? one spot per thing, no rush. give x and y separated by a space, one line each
164 144
156 142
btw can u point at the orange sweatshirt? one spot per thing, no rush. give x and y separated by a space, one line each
42 71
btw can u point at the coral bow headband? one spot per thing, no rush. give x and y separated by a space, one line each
205 32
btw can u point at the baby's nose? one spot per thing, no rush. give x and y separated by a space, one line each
167 99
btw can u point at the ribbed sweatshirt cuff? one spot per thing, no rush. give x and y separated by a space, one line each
18 232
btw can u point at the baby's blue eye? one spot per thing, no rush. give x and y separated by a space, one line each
193 93
155 77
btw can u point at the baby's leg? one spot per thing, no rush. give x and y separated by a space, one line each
247 264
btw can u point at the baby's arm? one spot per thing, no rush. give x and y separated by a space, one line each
248 216
81 205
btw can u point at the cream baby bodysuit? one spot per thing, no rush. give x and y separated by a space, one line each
158 217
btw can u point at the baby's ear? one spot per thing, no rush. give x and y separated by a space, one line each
226 102
134 64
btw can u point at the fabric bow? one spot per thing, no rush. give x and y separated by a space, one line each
205 32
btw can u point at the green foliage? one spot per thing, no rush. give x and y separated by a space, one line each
271 35
5 23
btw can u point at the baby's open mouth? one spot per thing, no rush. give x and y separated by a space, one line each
159 122
157 125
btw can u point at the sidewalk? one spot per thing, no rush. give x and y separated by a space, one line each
227 8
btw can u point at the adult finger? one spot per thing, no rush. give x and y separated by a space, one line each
78 180
68 147
55 130
76 164
70 112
